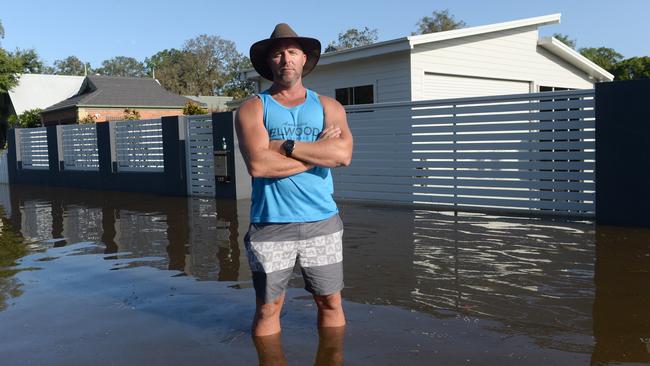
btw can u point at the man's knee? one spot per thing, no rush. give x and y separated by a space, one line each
270 309
328 302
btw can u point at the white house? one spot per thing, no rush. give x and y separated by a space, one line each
502 58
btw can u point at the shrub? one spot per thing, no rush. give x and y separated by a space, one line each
131 114
27 119
89 119
192 108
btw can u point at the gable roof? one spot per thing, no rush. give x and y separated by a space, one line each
41 91
408 43
569 55
118 91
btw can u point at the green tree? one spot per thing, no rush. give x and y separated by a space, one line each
353 37
632 68
30 62
439 21
214 61
2 31
71 65
28 119
565 39
236 87
122 66
10 67
207 65
167 67
602 56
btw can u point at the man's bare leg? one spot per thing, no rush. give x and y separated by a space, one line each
267 317
330 310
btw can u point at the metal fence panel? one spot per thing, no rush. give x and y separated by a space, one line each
78 144
138 145
199 149
523 152
33 148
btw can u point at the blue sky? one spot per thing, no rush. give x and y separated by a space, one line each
98 30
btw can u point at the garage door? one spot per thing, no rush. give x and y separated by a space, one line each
438 86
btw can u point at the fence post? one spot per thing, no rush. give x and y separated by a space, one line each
13 154
104 152
53 151
174 156
238 185
622 159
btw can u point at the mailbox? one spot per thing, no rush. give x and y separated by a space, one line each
221 166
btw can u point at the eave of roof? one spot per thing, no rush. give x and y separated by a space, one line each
568 54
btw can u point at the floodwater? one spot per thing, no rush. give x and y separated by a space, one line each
110 278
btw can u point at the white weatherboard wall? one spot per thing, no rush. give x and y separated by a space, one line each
388 73
510 57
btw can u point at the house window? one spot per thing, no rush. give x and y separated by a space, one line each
551 88
364 94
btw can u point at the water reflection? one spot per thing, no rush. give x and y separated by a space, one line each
199 237
12 248
557 282
329 353
534 276
622 301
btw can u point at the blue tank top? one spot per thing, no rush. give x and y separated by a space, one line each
304 196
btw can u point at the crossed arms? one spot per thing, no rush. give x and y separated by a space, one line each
266 158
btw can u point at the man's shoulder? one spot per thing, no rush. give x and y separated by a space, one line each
329 102
251 103
250 107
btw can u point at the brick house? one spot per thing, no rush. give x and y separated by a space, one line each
106 97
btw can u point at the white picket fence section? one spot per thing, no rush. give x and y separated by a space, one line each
199 154
530 152
32 148
138 145
78 147
4 168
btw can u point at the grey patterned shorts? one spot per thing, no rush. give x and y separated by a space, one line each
273 250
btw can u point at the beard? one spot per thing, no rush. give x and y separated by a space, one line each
287 77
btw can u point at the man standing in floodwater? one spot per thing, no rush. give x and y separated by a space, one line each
290 138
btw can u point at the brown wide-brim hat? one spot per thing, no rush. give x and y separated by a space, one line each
259 50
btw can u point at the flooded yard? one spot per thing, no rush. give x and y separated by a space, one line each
109 278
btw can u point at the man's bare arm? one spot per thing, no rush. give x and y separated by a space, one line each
260 160
326 152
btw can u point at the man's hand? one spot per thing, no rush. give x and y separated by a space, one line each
330 132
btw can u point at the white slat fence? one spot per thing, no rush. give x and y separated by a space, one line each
524 152
32 148
78 147
138 145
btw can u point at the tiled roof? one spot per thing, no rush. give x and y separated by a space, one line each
115 91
